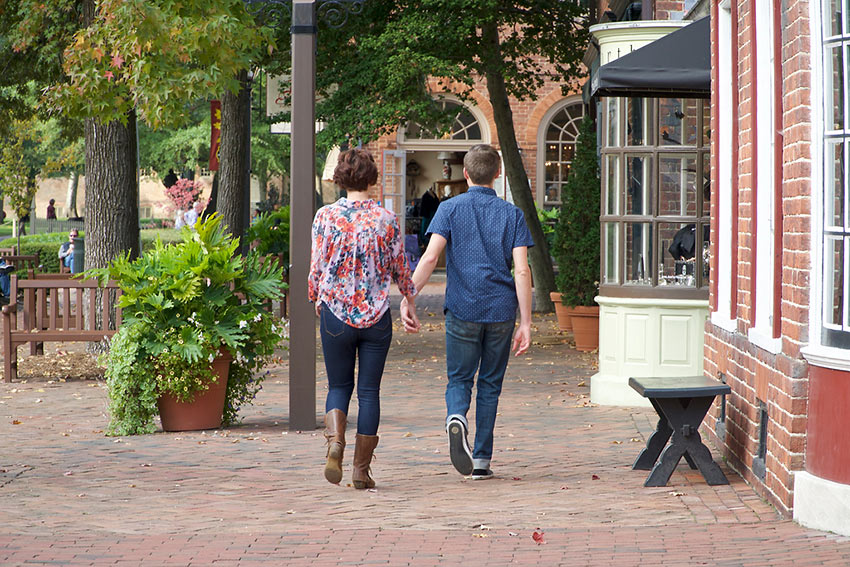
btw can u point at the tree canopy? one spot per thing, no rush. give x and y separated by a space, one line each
378 72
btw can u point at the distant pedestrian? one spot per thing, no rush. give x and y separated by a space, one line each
191 216
179 219
482 235
357 252
170 179
51 210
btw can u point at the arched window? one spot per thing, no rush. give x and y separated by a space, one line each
465 126
559 141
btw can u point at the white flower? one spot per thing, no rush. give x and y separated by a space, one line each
258 317
211 357
243 324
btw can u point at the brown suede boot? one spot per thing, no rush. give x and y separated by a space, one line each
364 447
335 422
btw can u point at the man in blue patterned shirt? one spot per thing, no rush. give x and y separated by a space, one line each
483 236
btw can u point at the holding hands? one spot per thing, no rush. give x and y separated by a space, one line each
408 315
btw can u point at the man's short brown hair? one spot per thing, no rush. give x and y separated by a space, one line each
482 163
356 170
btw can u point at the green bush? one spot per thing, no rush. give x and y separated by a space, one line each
271 232
47 245
577 232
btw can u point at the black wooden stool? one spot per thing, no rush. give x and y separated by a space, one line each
681 405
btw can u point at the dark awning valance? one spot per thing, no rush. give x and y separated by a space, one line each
678 64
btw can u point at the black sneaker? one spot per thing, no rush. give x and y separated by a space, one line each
481 474
459 447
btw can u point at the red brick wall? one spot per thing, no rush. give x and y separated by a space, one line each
669 9
781 381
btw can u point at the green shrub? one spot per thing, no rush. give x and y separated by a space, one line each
577 233
47 245
271 231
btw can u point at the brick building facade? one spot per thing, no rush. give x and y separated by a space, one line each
778 329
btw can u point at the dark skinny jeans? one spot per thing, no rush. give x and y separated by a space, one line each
342 344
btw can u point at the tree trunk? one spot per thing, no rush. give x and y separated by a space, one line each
235 159
71 195
539 258
112 193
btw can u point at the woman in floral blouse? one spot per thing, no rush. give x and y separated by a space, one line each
357 251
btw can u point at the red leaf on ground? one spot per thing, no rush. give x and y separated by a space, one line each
538 537
517 478
595 477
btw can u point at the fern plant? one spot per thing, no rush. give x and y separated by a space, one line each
183 303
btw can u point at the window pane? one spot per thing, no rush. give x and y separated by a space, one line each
834 184
833 17
677 192
677 122
834 88
636 124
706 254
833 288
677 249
613 137
706 185
638 175
706 124
638 253
611 245
612 195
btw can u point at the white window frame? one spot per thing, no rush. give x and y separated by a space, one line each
541 142
448 145
725 115
761 334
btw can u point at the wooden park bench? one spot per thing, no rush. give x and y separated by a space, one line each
55 309
24 263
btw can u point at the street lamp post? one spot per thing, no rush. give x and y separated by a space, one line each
302 323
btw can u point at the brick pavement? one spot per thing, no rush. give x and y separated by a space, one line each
255 493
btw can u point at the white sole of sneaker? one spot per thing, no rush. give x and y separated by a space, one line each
459 448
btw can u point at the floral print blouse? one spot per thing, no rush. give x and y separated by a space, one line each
357 250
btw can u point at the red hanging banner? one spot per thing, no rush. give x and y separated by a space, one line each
215 133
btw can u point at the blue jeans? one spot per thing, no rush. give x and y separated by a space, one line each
69 262
485 348
5 281
342 344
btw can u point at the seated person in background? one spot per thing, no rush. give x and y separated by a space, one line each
5 270
51 210
66 251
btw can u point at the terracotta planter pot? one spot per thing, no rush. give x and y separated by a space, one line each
586 327
562 312
205 411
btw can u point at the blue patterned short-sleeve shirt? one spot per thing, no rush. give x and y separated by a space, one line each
481 232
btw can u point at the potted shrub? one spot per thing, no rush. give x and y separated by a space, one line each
577 240
188 308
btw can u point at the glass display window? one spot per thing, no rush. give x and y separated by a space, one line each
655 197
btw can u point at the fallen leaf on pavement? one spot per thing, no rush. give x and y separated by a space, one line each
595 477
16 422
538 537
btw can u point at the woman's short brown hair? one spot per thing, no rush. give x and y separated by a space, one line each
356 170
